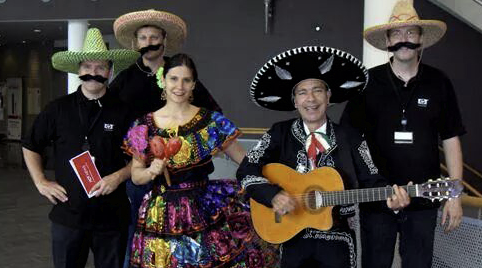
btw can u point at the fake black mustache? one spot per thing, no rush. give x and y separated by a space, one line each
144 50
98 78
399 45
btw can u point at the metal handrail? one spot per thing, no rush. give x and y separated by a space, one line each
466 166
469 168
253 130
471 201
466 185
473 170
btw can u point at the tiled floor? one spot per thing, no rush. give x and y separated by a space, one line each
24 223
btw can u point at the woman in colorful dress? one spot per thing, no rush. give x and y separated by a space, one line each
186 220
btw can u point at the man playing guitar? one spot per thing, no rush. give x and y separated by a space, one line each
306 79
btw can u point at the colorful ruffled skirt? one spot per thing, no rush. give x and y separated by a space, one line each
198 224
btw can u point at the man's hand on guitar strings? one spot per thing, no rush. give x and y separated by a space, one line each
283 203
399 199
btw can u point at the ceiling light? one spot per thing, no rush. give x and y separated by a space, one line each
37 30
45 1
24 41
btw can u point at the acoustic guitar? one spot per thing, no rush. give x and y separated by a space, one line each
318 191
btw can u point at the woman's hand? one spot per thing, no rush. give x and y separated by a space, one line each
156 168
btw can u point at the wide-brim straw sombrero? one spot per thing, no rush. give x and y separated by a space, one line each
404 15
126 25
272 87
94 49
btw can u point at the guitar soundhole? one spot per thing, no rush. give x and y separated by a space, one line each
311 201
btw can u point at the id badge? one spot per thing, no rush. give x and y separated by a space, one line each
403 137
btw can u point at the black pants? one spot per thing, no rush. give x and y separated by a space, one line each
70 247
379 234
334 249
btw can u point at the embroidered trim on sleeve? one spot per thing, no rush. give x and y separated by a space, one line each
347 210
258 150
367 158
251 179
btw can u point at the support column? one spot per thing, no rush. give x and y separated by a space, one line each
76 34
376 12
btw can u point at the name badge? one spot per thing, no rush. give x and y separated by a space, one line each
403 137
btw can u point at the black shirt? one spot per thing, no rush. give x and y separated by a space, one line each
64 124
138 87
432 113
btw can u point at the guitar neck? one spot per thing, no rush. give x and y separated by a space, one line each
363 195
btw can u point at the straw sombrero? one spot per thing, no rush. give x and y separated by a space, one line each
126 25
403 15
273 85
94 49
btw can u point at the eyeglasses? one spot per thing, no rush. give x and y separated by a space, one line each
398 34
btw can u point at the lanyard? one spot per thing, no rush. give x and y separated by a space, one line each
404 105
83 123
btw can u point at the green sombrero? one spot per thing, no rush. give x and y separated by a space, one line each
94 49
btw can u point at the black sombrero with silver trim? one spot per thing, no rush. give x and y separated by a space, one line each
272 86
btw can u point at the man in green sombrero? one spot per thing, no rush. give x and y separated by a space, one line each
406 108
88 120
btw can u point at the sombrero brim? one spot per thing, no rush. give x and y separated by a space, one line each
273 84
126 26
68 61
433 31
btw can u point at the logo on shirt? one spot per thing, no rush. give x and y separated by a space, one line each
108 127
422 102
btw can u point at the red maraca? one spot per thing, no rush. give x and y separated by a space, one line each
158 147
173 146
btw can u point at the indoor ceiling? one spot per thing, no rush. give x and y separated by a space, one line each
12 33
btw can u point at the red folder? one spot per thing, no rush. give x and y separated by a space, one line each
86 171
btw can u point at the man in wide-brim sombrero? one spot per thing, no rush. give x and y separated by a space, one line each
93 49
405 109
88 120
308 79
156 34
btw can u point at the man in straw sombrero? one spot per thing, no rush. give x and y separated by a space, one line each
405 109
307 79
155 34
92 120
